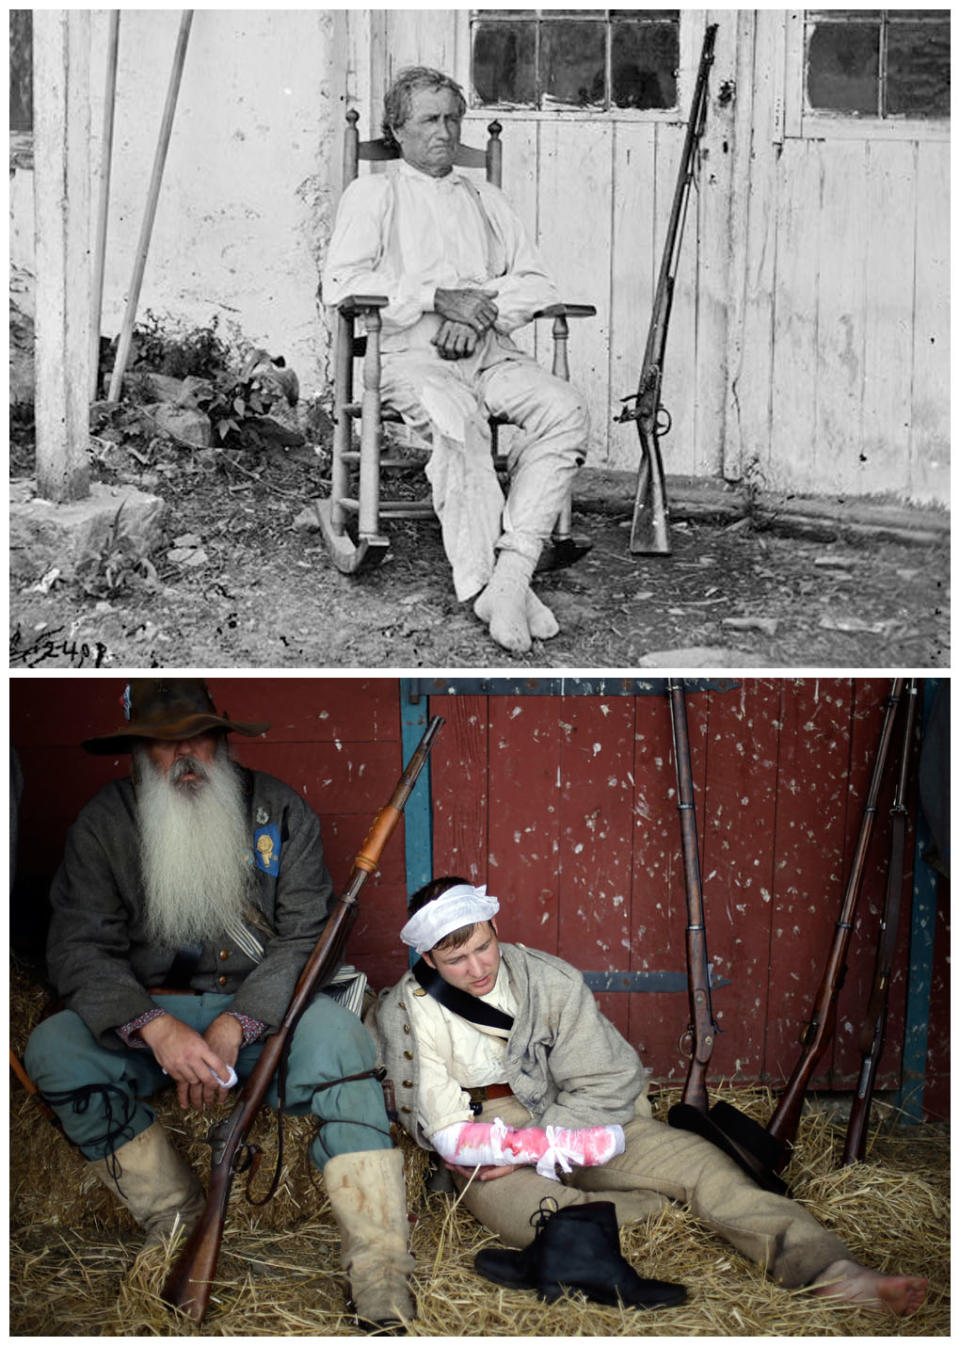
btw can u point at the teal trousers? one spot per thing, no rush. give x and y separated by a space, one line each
101 1095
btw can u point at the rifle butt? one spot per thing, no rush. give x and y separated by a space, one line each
695 1088
650 528
785 1122
856 1141
189 1285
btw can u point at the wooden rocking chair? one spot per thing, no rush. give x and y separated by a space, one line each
350 519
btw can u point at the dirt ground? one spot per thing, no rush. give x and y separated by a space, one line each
237 582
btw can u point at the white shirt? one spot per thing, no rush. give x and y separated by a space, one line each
403 234
456 1055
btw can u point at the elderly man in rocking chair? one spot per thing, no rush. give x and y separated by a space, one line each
461 275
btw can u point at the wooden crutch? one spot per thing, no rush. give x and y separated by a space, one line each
153 195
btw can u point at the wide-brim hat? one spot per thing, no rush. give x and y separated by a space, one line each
167 708
744 1140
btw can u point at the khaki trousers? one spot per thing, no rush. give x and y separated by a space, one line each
662 1164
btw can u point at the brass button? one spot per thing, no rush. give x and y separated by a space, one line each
406 1028
408 1084
224 954
408 1056
223 980
419 991
407 1110
401 1004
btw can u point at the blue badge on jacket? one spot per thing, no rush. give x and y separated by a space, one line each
266 848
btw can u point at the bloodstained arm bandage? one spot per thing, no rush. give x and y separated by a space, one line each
486 1143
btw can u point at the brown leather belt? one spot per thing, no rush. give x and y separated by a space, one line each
487 1091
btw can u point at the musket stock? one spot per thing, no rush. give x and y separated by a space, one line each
190 1283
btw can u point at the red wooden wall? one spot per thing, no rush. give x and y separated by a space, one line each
566 807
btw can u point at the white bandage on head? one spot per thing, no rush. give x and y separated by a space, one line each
459 906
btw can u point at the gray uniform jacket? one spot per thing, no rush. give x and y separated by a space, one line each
98 954
565 1062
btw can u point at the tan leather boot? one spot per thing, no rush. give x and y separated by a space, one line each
368 1197
157 1187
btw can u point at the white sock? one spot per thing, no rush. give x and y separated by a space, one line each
503 603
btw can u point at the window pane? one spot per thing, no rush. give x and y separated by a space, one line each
843 62
21 70
503 63
918 69
644 64
572 63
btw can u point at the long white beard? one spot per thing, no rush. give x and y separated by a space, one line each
194 848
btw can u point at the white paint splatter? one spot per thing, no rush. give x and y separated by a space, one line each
597 747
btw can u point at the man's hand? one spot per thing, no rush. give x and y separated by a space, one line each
473 307
454 340
485 1172
189 1059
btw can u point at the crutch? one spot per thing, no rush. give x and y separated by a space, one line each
153 195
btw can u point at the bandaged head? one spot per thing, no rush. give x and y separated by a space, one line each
459 906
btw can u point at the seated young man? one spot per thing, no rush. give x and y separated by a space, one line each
560 1087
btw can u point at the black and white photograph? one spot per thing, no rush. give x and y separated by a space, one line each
478 700
725 441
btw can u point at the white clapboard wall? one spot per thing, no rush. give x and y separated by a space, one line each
808 349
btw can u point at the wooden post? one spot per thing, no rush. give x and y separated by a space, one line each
103 204
61 78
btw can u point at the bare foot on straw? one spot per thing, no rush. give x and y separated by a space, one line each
854 1284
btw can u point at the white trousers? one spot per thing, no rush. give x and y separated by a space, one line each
448 402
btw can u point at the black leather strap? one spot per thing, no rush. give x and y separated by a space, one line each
457 1001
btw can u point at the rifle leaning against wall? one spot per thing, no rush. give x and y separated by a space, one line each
786 1118
722 1124
650 531
190 1283
875 1022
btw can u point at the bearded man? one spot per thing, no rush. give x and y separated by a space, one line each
189 899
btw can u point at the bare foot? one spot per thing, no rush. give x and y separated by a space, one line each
854 1284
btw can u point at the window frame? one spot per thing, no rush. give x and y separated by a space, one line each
800 123
692 24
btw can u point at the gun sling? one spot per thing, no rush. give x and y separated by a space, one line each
457 1001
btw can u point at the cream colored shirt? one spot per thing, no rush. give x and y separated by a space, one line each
457 1055
404 234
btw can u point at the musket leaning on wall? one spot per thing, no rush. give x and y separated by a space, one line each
738 1135
190 1283
874 1026
819 1030
650 530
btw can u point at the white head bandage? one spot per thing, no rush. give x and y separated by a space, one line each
459 906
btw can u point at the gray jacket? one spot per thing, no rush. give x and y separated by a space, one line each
98 954
565 1062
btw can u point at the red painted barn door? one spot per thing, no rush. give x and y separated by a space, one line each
566 807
